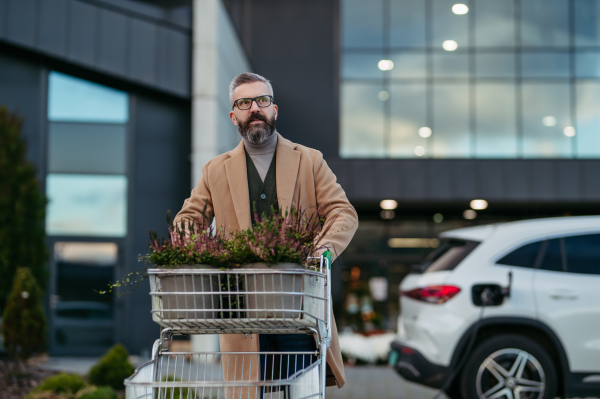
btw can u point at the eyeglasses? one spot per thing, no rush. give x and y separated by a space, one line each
246 103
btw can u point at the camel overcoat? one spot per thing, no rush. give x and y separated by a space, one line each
303 178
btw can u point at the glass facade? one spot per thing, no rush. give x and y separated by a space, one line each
87 147
495 79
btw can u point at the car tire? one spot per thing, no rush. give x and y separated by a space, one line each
509 363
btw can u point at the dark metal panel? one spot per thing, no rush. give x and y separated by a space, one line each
464 179
364 184
568 183
515 184
414 179
52 36
113 44
388 178
3 20
591 180
142 51
489 179
173 60
543 177
21 24
439 180
83 43
21 91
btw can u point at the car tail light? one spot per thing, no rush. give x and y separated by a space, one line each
432 294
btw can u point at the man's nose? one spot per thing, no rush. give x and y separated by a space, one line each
255 108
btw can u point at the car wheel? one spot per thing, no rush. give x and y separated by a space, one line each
509 367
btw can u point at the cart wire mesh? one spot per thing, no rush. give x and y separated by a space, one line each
215 375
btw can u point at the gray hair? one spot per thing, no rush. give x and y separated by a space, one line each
247 77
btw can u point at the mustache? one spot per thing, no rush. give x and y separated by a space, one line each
257 117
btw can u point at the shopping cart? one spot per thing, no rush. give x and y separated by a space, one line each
283 299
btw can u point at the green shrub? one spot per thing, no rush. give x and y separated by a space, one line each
22 209
48 395
63 383
24 322
93 392
112 369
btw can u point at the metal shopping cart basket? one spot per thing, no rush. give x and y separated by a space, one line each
283 299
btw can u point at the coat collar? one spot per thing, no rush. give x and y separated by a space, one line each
287 164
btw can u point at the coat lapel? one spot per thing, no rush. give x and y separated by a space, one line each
237 177
287 164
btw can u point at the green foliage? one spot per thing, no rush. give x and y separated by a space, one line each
112 369
93 392
168 393
48 395
24 322
22 209
63 383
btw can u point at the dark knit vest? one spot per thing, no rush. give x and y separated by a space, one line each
263 196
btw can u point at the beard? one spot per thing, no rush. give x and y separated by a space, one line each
258 133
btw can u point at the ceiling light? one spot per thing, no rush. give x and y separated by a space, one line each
385 65
438 218
384 95
479 204
469 214
425 132
419 151
569 131
389 204
460 9
549 121
450 45
413 243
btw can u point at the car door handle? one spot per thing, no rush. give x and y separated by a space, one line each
562 295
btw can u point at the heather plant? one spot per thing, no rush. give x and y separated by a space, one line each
291 236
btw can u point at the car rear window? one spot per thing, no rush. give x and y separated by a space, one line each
524 256
447 256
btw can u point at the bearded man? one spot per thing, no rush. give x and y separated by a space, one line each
264 172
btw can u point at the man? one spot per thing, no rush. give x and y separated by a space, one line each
266 170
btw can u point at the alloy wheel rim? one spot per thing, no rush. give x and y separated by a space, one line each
510 374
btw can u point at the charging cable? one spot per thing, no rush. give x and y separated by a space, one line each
486 297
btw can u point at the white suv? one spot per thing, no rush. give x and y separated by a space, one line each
538 335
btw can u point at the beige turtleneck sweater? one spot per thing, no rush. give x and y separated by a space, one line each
262 154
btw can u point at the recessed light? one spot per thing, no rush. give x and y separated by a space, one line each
460 9
389 204
449 45
385 65
479 204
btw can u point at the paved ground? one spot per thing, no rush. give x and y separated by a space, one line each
378 382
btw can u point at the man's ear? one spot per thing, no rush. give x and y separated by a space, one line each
233 118
276 108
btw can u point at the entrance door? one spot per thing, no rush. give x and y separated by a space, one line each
82 320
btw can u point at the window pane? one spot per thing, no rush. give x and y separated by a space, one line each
545 65
451 135
73 99
495 65
409 65
587 64
451 65
545 115
494 23
361 66
552 257
361 121
407 24
587 15
448 26
496 120
362 23
524 256
408 116
588 120
545 23
92 205
86 148
583 254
